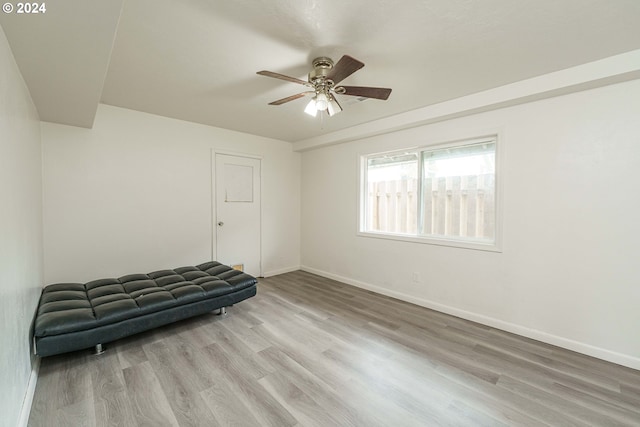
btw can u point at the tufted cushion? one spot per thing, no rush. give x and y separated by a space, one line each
72 307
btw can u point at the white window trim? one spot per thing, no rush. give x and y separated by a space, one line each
495 246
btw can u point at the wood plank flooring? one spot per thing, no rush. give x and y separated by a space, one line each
308 351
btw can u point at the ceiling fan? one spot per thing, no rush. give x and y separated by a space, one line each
323 81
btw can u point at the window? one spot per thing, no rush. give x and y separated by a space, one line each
444 194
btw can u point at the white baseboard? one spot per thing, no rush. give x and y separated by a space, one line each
280 271
580 347
25 411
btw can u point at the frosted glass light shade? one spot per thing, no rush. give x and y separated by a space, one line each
321 102
333 108
311 109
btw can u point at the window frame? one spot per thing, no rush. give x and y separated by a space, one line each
495 246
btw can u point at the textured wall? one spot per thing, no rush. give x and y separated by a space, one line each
21 264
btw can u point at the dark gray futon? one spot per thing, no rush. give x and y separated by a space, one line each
75 316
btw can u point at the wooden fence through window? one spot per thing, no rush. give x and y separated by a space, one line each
456 206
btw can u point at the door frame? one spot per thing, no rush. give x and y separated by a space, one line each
212 192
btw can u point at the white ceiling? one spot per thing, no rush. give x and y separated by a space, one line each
197 60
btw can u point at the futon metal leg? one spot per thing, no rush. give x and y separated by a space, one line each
98 350
223 311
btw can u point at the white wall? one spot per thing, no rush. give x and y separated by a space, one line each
569 270
133 194
20 235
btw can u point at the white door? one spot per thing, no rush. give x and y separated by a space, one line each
237 216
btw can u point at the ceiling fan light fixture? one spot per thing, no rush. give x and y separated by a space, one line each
322 102
333 107
311 108
323 81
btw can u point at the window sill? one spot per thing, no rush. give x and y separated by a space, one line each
463 244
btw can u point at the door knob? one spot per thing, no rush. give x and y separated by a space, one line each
220 223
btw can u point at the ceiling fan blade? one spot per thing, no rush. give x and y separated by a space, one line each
289 98
364 91
344 68
282 77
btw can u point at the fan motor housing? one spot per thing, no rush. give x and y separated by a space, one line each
321 67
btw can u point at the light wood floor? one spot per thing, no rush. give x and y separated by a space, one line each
309 351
